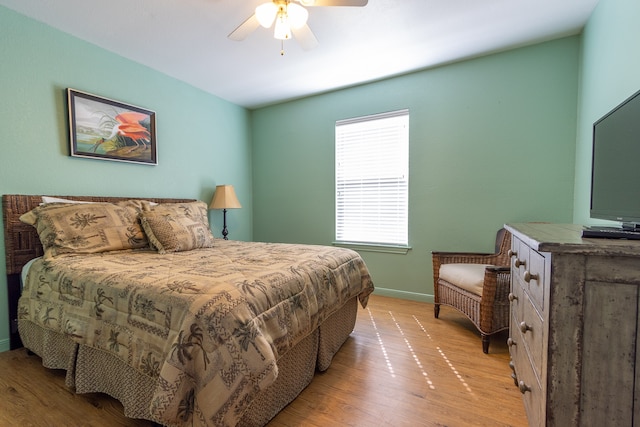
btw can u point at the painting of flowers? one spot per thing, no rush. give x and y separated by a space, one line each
101 128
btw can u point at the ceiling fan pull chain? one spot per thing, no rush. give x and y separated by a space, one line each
281 47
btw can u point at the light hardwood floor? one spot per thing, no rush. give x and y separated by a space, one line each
400 367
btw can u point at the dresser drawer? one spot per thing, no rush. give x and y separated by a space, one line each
519 257
534 278
527 382
516 299
527 329
528 269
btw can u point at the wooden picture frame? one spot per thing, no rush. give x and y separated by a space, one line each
101 128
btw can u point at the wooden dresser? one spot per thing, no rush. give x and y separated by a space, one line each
574 331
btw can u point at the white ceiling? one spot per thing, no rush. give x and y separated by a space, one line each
187 39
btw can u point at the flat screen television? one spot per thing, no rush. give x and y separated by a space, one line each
615 173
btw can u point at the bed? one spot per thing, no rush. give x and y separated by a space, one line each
181 328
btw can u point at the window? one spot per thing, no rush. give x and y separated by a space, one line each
372 179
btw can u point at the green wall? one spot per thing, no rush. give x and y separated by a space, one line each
492 140
610 66
202 140
501 138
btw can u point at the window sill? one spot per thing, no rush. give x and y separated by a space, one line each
370 247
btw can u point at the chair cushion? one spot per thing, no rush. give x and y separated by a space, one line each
466 276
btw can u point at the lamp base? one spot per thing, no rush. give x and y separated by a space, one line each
224 225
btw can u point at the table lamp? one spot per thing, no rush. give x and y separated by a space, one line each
224 198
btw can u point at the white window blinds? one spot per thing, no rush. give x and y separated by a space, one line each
372 179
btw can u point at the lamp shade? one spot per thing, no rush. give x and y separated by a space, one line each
283 29
224 198
266 13
297 15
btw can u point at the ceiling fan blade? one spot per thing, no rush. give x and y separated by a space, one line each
305 37
358 3
246 28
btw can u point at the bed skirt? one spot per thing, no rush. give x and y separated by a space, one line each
90 370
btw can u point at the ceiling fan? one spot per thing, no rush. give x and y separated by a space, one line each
290 19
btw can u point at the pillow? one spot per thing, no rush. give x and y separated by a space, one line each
88 227
175 227
47 199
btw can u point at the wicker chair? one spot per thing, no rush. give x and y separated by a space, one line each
487 306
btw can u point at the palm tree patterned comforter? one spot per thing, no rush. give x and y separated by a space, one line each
209 324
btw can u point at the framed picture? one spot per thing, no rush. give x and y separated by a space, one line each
105 129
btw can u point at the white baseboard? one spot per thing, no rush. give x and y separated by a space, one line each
413 296
5 345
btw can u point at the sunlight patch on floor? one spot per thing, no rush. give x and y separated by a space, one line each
381 343
454 370
416 359
444 356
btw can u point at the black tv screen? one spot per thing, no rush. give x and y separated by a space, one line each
615 173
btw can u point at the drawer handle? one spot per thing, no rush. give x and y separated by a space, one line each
511 253
510 342
523 387
529 277
524 327
518 263
512 297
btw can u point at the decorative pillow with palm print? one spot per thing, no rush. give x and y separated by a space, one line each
88 228
175 227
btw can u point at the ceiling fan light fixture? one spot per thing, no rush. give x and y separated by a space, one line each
266 13
298 15
283 28
290 20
